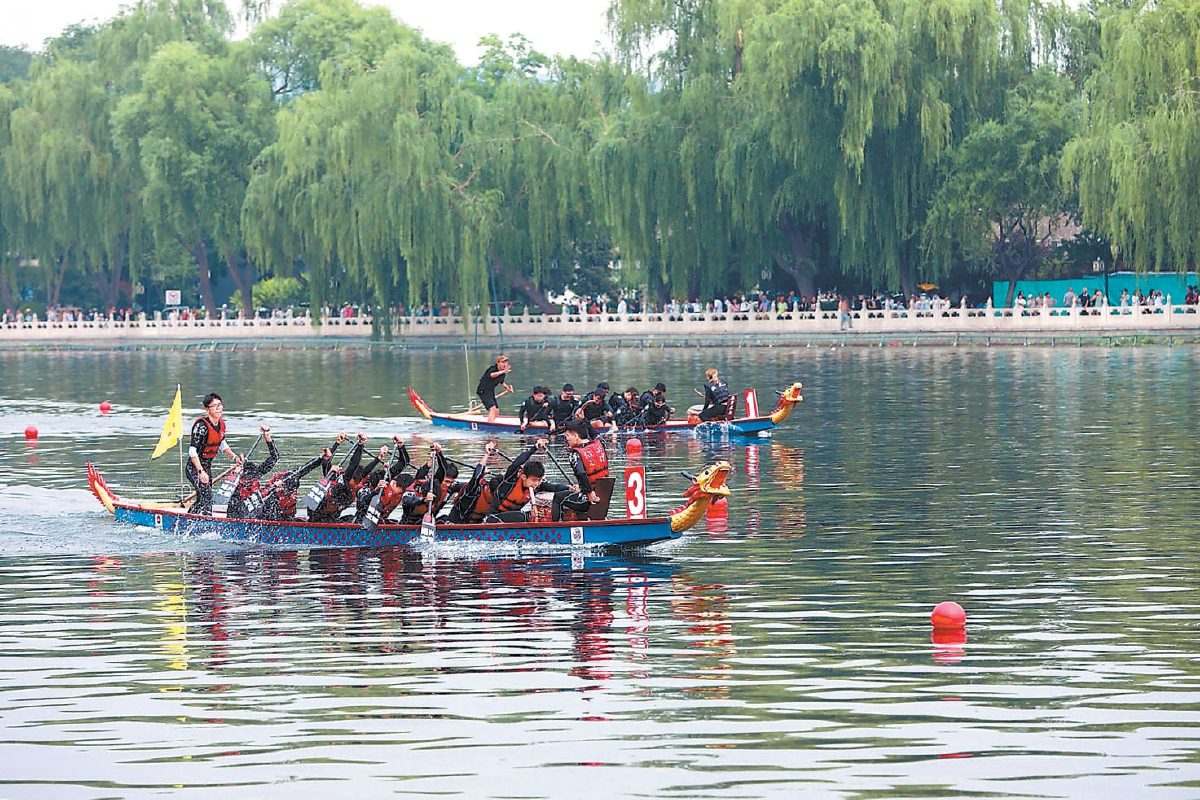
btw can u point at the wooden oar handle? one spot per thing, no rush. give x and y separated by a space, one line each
211 481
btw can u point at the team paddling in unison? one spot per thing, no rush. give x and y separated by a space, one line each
371 492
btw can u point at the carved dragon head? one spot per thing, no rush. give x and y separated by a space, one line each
791 394
710 481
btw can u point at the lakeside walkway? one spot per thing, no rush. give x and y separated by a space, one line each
1108 325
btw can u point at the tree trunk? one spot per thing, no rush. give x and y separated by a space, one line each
200 253
54 281
536 297
107 277
243 276
798 263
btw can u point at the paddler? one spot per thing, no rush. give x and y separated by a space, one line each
536 408
516 487
248 484
627 407
492 377
208 439
562 408
595 406
280 492
589 463
475 498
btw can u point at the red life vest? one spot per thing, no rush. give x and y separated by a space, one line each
516 497
482 504
595 460
287 497
388 500
247 487
212 441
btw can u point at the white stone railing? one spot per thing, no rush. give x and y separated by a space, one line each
566 327
1100 319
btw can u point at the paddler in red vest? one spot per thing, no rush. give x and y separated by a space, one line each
589 463
250 485
516 486
208 439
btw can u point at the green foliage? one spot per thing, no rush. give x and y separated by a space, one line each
14 63
727 144
279 293
1002 197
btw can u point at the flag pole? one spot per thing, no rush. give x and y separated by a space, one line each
179 441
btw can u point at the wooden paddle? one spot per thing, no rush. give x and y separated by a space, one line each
320 490
370 521
232 479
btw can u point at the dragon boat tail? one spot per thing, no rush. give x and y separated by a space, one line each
172 517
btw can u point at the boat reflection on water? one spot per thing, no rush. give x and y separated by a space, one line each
590 616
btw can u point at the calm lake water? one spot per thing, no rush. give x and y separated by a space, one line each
782 650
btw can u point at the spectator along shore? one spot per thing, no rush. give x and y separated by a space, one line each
1103 325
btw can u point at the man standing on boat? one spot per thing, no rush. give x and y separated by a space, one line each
208 439
589 463
492 377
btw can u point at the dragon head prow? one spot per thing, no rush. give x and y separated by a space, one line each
792 393
711 480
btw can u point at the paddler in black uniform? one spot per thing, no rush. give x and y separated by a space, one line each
562 408
475 498
377 476
627 407
516 486
536 408
492 377
595 406
716 397
341 493
657 412
589 463
429 487
249 483
208 439
281 489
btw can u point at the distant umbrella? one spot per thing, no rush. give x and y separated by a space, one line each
925 287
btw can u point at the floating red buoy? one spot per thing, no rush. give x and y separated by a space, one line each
717 508
634 445
31 432
105 406
948 615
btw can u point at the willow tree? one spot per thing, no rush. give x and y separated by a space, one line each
533 145
69 185
196 125
10 220
1137 163
293 46
654 164
1003 199
844 110
372 174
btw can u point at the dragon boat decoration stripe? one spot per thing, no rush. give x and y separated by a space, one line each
618 533
475 421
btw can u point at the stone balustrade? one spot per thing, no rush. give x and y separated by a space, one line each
1105 320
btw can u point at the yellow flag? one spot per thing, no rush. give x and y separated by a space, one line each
173 427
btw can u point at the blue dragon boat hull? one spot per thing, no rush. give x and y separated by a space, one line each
612 533
742 426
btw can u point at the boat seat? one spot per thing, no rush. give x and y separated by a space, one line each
604 490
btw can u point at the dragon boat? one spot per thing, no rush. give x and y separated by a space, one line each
746 426
172 517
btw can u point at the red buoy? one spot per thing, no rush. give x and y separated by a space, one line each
717 508
948 614
634 445
30 432
105 406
